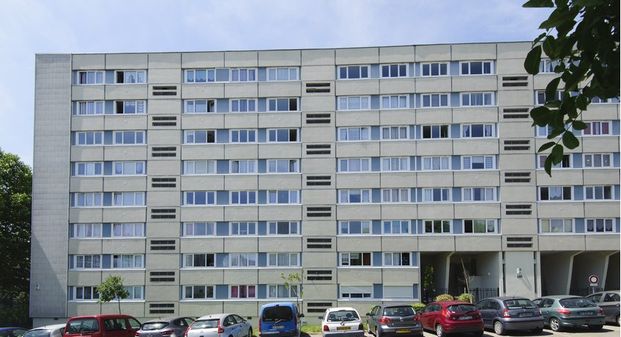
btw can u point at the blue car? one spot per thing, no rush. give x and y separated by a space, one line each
280 319
12 332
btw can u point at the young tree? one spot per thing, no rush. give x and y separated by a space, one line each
293 279
582 39
112 288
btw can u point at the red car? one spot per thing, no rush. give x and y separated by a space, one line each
451 317
112 325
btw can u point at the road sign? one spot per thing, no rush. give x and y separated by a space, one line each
593 280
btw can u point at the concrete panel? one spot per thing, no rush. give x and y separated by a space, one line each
202 183
433 53
440 243
601 112
602 242
319 197
279 58
434 179
79 309
357 149
560 177
280 244
359 244
318 134
357 56
198 308
280 89
165 107
514 97
319 260
121 91
434 116
167 293
267 276
202 60
85 215
601 209
85 247
126 214
400 276
239 276
478 115
163 230
164 60
402 54
525 283
83 123
241 245
83 277
240 182
318 73
507 50
359 276
212 121
88 61
518 193
318 103
135 309
283 151
280 120
318 227
137 152
318 57
435 147
362 212
600 144
473 51
240 59
318 165
357 180
126 61
516 161
213 213
433 85
397 148
541 81
357 118
479 243
398 179
518 226
400 211
87 92
357 87
549 242
173 75
398 243
164 137
86 184
397 86
163 198
511 67
516 130
551 209
475 146
476 178
319 292
280 182
475 83
211 151
126 246
164 167
240 213
163 261
212 90
234 90
118 184
205 276
435 211
477 210
402 117
280 212
202 245
136 122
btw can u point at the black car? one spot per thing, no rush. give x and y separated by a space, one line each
393 319
510 313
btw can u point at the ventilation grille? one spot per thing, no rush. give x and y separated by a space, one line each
319 307
316 149
319 275
515 113
519 209
318 211
514 81
517 177
162 276
519 242
163 213
319 243
161 308
318 180
164 151
163 245
312 88
163 182
164 121
318 118
517 145
164 90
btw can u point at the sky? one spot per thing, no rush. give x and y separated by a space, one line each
29 27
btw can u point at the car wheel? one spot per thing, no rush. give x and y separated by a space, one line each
555 324
439 331
499 329
595 327
250 332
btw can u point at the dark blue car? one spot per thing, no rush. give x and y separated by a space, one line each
280 319
12 332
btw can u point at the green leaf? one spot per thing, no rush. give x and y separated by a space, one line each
546 146
570 141
582 102
538 3
541 115
549 47
548 165
551 88
556 154
578 125
531 64
558 17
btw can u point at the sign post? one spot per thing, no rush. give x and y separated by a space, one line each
593 282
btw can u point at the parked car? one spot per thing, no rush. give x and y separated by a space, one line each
341 322
281 319
565 311
53 330
393 319
609 301
510 313
105 325
449 317
217 325
12 332
171 326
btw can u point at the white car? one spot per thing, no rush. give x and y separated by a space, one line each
54 330
341 322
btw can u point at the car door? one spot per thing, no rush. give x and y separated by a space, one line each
484 309
610 304
371 319
179 325
133 325
231 324
546 308
243 325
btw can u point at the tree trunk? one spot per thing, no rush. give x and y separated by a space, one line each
118 300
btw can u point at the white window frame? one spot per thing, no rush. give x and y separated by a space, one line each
274 259
272 166
395 164
599 129
360 67
363 293
275 131
96 197
94 295
89 108
189 229
468 128
239 292
128 199
348 103
539 190
207 71
276 100
366 227
86 231
389 259
124 134
238 71
98 138
396 224
442 224
390 68
190 258
395 195
365 194
426 190
488 222
190 165
99 77
293 228
483 97
79 262
247 195
430 97
471 160
273 73
483 73
361 130
439 126
293 196
139 74
347 256
235 105
593 159
243 228
243 260
468 194
184 292
136 293
139 107
395 133
540 96
291 290
564 223
542 157
189 106
189 137
90 169
430 64
433 160
127 230
594 224
363 165
127 261
387 102
244 166
126 168
186 195
594 192
546 66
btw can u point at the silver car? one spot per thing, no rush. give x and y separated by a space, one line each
341 322
54 330
170 326
216 325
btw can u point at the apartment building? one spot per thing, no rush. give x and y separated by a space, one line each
377 174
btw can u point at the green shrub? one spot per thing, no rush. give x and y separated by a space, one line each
418 306
444 297
465 297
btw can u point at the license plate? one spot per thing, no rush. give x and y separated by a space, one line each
403 330
463 318
586 313
277 326
526 314
341 328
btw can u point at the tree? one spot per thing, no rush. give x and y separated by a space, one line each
581 39
112 288
293 279
15 201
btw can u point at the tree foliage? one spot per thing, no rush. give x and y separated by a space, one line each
582 39
112 289
290 280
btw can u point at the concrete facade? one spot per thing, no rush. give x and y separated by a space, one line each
201 177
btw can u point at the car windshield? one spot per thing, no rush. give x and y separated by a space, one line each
401 311
342 315
205 324
576 302
277 314
11 333
154 326
519 303
461 308
38 333
80 325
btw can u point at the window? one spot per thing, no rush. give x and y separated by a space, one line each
478 130
243 166
556 226
283 165
243 105
282 135
436 163
398 292
127 261
282 291
130 107
243 75
243 291
395 102
353 72
479 194
565 163
128 168
354 102
282 74
434 69
354 292
87 199
199 136
197 292
282 104
199 260
243 259
199 228
395 132
435 131
85 169
199 198
199 167
547 66
355 165
85 294
206 75
597 160
434 100
134 293
243 228
437 226
396 195
436 194
127 230
199 106
90 77
243 197
394 70
283 197
480 226
353 196
129 137
86 262
89 138
396 164
283 228
354 134
600 225
85 230
540 96
478 162
477 99
89 108
354 227
596 129
612 100
355 259
476 68
397 259
283 259
555 193
125 199
396 227
243 136
598 193
131 76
